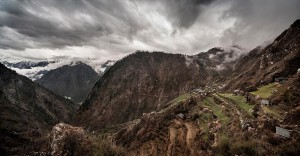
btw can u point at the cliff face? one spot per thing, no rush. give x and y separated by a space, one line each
27 109
141 82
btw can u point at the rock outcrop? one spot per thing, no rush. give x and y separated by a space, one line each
69 141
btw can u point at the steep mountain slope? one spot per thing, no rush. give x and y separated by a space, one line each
71 81
219 62
27 109
166 104
143 82
264 65
214 123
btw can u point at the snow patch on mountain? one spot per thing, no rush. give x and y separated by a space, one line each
35 69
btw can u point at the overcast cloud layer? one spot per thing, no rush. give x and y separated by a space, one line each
113 28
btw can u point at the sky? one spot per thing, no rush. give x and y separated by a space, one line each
112 29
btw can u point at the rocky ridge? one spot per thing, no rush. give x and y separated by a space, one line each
27 111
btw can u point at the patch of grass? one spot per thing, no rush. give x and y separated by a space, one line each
217 109
181 98
176 101
223 147
217 97
207 101
265 91
241 147
240 101
272 111
207 136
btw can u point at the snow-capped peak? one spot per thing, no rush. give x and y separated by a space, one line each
35 69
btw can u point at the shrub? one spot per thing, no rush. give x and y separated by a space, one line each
105 147
223 147
243 148
195 116
77 144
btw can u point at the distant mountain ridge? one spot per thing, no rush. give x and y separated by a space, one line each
27 64
36 68
73 81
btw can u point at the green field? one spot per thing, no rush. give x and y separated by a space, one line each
274 111
217 109
265 91
239 100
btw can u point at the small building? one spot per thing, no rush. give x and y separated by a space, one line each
265 102
199 90
283 132
180 115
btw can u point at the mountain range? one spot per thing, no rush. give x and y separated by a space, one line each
225 101
72 79
175 104
36 68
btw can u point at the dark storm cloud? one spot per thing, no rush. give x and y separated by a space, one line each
17 15
45 31
52 23
117 27
184 13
